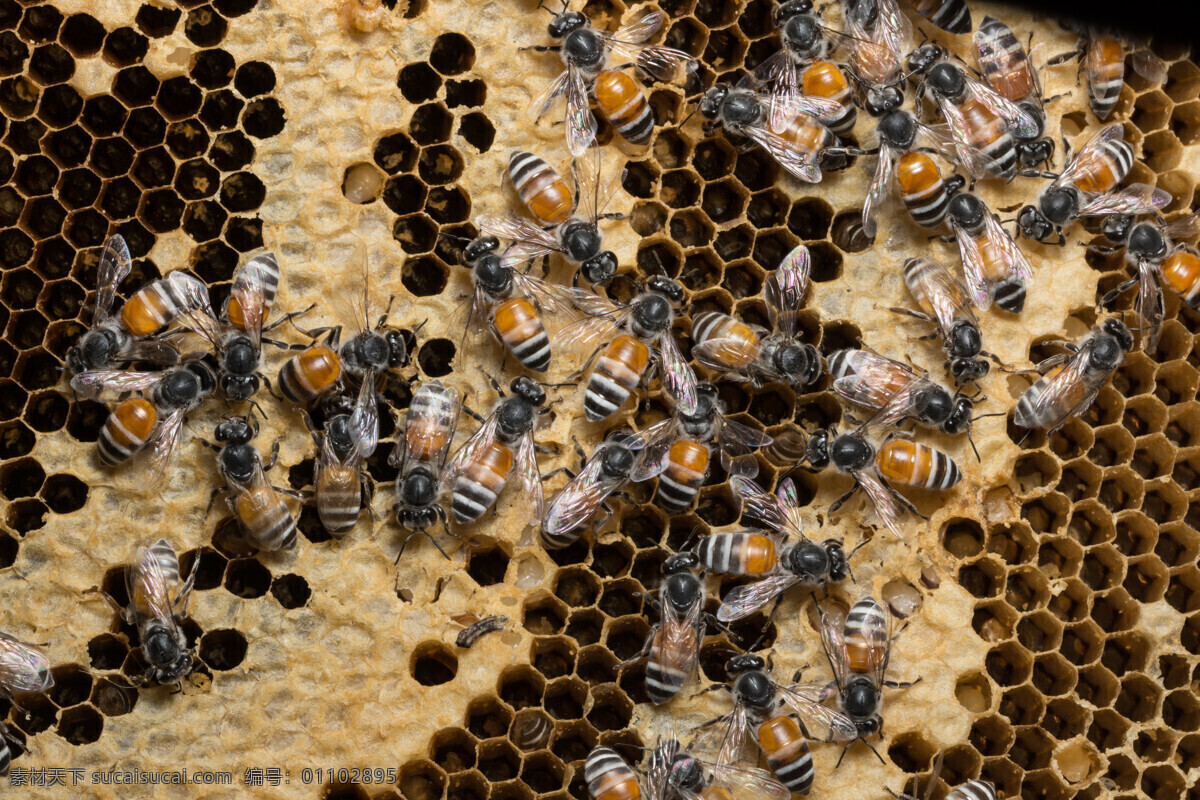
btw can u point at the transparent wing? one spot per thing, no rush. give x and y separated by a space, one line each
529 241
149 594
809 105
973 268
681 636
1148 64
532 496
1060 398
23 668
1084 158
893 29
192 290
656 444
658 770
885 503
749 783
114 267
758 504
157 351
1018 264
785 288
603 319
736 439
542 104
678 380
594 193
580 122
479 441
972 159
732 747
549 297
742 601
936 138
1135 200
800 164
109 384
249 287
1182 228
152 459
661 63
1149 305
875 379
364 419
835 647
780 74
1019 121
424 432
203 324
946 296
641 29
576 502
880 189
721 354
823 723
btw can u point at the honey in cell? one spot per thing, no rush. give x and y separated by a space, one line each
624 106
310 374
127 428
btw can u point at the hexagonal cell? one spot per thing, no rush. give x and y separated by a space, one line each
1097 686
223 649
691 229
487 717
1046 514
1022 705
984 578
1039 632
994 621
991 735
531 729
466 786
1008 664
422 780
80 725
565 697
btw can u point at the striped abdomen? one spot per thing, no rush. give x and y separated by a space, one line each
609 777
1100 169
738 553
127 428
988 133
825 79
1105 65
153 308
1008 70
623 104
619 370
339 496
687 467
312 373
807 135
481 481
266 519
518 326
918 272
155 571
1028 413
922 189
741 342
974 790
787 753
1181 274
907 463
263 271
430 422
865 635
952 16
545 195
670 664
5 752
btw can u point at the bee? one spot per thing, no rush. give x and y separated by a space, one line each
420 456
1070 381
879 35
638 334
24 668
586 51
983 123
943 302
608 777
743 353
158 601
1102 58
1157 258
952 16
871 381
971 790
1087 187
786 559
312 374
10 745
117 338
148 425
904 462
575 505
853 454
689 777
575 231
677 449
1008 69
994 267
674 643
481 468
799 144
340 489
265 518
783 739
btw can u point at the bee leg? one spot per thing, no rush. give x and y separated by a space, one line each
907 312
904 501
212 499
108 598
368 497
559 471
842 500
542 48
185 591
586 364
286 318
713 622
902 684
1117 291
477 417
274 454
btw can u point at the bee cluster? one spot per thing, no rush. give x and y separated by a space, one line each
601 364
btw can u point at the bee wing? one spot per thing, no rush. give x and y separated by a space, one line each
1182 228
732 747
1019 121
23 668
528 240
757 503
677 377
549 297
780 74
114 267
1018 264
576 502
799 164
785 288
593 194
157 351
193 291
749 783
810 105
249 287
203 324
885 503
972 159
638 31
661 63
479 441
893 29
152 459
149 594
1149 305
580 122
658 770
1149 65
1083 158
108 384
868 384
603 318
880 189
742 601
545 101
823 723
656 444
736 439
973 268
533 497
946 294
364 419
718 354
1059 398
1135 200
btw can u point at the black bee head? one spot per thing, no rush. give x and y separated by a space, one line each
924 57
802 34
898 128
817 451
799 361
789 9
529 390
166 655
1030 154
397 345
839 563
712 102
417 519
883 100
1033 224
680 562
480 246
965 370
667 288
745 662
740 109
236 430
1146 242
946 80
95 350
960 417
967 209
239 388
1115 227
566 22
682 590
851 453
809 561
936 405
1118 330
860 699
600 269
1058 205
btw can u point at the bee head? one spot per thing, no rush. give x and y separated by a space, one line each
839 562
564 23
236 430
713 100
817 451
600 269
680 562
528 390
1119 331
959 418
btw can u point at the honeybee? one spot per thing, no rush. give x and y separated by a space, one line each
481 468
677 449
312 374
576 235
684 775
1157 258
943 302
157 613
859 653
340 489
879 35
971 790
1009 70
10 746
853 454
23 668
1102 58
869 380
994 267
266 521
624 362
744 353
586 51
576 504
952 16
983 123
787 559
420 456
757 701
117 338
674 643
1070 381
1088 187
798 144
905 462
148 425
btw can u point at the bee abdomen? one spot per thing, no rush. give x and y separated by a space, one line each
825 79
481 481
922 189
339 498
267 268
687 467
543 191
1181 274
665 669
1102 169
787 753
619 370
266 519
127 428
974 790
1105 63
522 332
920 466
715 325
952 16
624 105
152 308
308 375
988 132
865 635
738 553
609 777
1010 296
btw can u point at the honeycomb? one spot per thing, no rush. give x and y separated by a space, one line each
1051 600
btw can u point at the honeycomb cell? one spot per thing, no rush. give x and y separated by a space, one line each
422 780
292 591
64 493
713 159
223 649
80 725
991 735
453 749
487 565
466 786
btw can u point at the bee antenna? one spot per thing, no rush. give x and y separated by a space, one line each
690 115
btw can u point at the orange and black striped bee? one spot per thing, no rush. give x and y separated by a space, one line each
780 561
879 36
994 267
905 462
266 521
148 426
677 449
560 224
683 775
1008 69
673 646
1102 58
943 302
312 374
638 335
1070 381
746 354
952 16
608 777
1088 187
859 652
576 504
118 338
420 456
481 468
586 53
340 491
